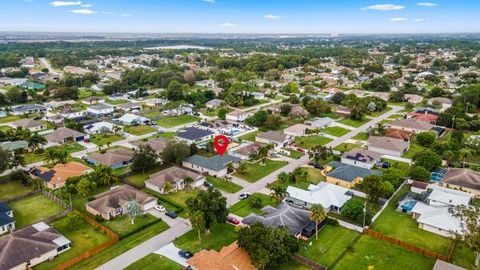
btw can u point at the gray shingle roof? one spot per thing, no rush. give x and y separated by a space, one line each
216 163
348 172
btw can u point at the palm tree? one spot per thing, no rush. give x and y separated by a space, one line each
464 155
262 153
278 192
198 222
104 175
242 168
18 160
320 153
35 141
167 187
317 215
299 174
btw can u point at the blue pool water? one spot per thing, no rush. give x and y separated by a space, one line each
408 206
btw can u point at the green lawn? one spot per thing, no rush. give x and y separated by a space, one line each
138 179
173 121
374 114
290 265
414 149
166 135
121 247
12 189
332 242
402 166
402 226
5 128
354 123
105 139
123 225
243 208
293 153
83 93
345 147
153 114
463 256
220 235
255 171
73 147
154 262
336 131
10 118
176 201
32 157
33 209
139 130
314 176
212 112
223 184
249 136
382 255
116 102
308 142
362 136
83 237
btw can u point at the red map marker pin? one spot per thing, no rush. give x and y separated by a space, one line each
221 144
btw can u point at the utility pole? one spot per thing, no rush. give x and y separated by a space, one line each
364 213
453 121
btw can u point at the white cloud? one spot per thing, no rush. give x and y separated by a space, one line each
125 15
419 20
210 1
384 7
65 3
108 12
227 24
86 5
272 17
83 11
398 19
427 4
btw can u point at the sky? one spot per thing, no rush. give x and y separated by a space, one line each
241 16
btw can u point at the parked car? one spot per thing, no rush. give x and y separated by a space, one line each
171 214
301 150
159 208
244 195
185 254
233 220
208 185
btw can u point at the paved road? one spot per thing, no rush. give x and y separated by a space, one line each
51 70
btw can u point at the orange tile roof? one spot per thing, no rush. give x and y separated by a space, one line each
63 171
398 134
424 117
230 257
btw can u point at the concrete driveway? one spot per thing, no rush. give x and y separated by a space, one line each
171 251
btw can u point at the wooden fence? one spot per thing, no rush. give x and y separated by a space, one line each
407 246
89 253
307 262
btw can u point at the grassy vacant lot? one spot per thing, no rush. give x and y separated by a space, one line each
354 123
344 147
139 130
176 201
243 208
255 171
335 131
10 118
382 255
223 184
309 142
32 157
33 209
138 179
314 176
402 226
121 247
173 121
105 139
154 262
332 242
123 225
249 136
402 166
116 101
362 136
83 237
166 135
220 235
12 189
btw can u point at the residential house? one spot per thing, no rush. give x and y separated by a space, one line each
30 124
276 138
442 265
93 100
118 96
413 99
175 175
292 218
258 95
381 95
463 179
154 102
343 110
418 187
237 116
361 158
130 107
7 223
214 103
13 146
331 197
445 103
111 203
28 109
99 128
347 175
100 109
114 158
56 177
33 86
296 130
216 166
12 81
320 122
194 135
424 115
129 119
157 144
245 151
206 83
30 246
182 109
434 213
62 135
411 125
231 257
399 134
388 146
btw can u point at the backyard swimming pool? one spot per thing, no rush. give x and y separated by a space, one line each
408 206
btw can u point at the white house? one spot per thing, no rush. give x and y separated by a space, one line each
237 116
331 197
100 109
7 223
153 102
320 122
276 138
361 158
129 119
296 130
98 127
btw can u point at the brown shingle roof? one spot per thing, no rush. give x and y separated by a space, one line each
171 174
273 136
117 197
462 177
230 257
27 123
388 143
412 123
112 156
62 133
156 144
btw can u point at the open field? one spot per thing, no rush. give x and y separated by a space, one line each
255 171
173 121
33 209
